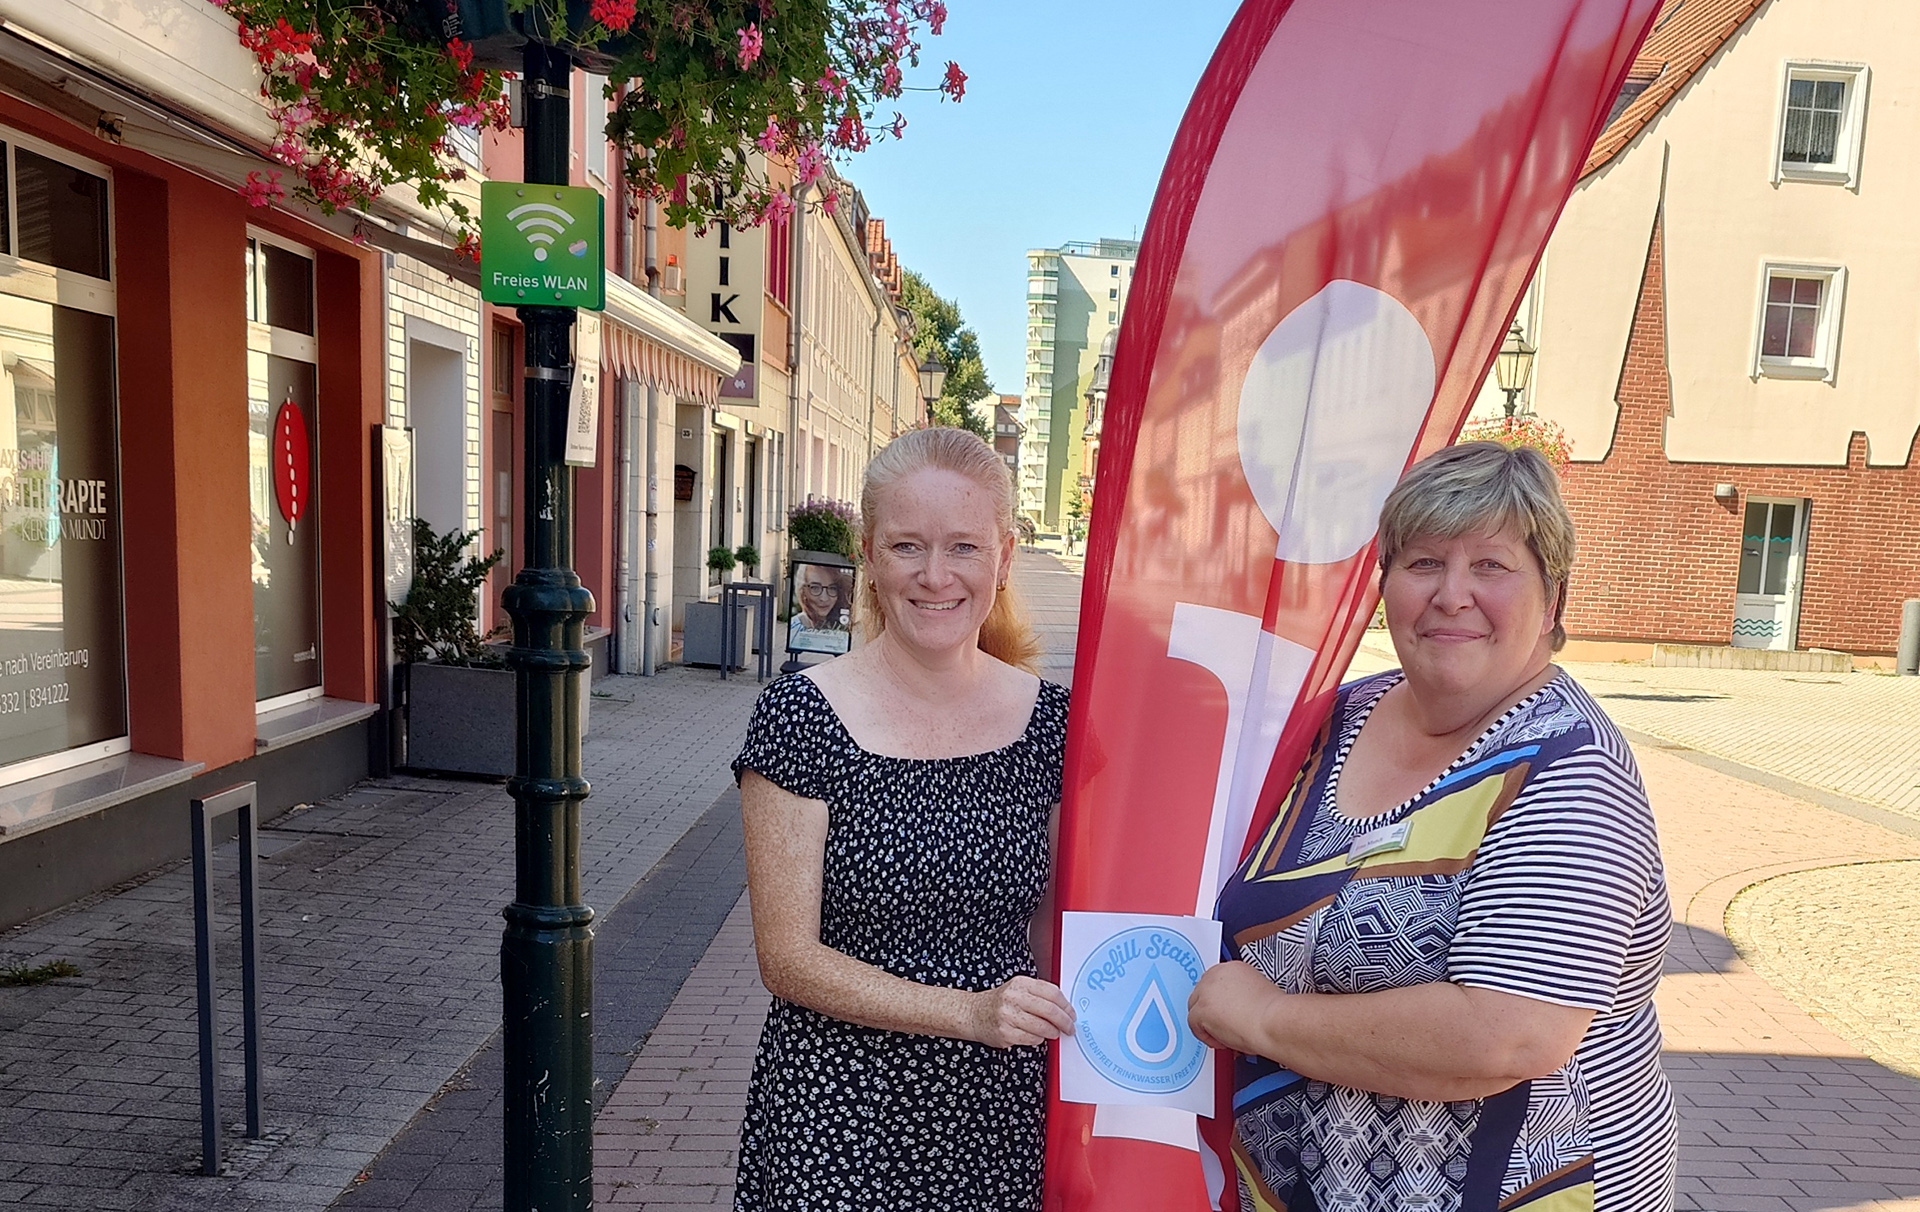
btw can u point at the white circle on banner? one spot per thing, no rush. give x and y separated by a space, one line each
1329 411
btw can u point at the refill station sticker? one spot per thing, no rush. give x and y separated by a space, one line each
1131 975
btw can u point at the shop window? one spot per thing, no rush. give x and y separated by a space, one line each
1799 321
61 214
1822 115
62 634
719 529
283 472
780 259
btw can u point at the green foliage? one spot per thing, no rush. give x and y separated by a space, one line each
366 92
824 526
16 975
440 620
938 329
1076 503
365 95
720 559
748 555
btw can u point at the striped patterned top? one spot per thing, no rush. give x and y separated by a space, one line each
1530 866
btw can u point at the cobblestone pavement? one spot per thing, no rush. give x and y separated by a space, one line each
1852 734
1814 933
380 939
1780 1048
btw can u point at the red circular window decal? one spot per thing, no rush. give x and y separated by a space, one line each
292 481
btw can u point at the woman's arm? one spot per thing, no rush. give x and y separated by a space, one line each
786 839
1439 1041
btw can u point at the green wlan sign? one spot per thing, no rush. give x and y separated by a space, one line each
542 245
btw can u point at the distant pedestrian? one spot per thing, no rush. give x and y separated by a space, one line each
899 804
1448 941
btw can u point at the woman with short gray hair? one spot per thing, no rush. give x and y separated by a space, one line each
1444 950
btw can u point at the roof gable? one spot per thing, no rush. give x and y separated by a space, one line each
1687 34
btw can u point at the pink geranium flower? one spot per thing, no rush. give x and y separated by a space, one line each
955 83
810 165
750 44
768 140
262 191
778 209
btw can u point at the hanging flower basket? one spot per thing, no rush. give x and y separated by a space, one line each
372 93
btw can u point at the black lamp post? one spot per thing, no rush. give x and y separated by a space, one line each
546 956
1513 365
933 380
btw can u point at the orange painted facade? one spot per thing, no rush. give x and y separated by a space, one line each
181 344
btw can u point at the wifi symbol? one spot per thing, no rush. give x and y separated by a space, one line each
538 227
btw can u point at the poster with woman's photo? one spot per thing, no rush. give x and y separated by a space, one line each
821 612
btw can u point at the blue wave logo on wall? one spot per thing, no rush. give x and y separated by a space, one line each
1130 998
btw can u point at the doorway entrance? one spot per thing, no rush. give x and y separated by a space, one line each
1766 604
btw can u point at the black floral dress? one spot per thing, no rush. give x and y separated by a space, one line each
933 870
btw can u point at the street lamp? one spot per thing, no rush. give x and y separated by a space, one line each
546 954
1513 365
933 380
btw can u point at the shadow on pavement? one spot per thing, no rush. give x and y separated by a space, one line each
1695 950
1811 1132
1674 697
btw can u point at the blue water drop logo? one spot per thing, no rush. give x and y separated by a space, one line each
1131 994
1151 1035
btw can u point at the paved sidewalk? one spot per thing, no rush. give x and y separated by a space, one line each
380 938
1781 1060
1852 734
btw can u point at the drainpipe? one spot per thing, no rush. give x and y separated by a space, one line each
795 276
650 577
895 397
622 649
873 375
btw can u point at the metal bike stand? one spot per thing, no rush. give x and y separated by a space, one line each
734 595
239 799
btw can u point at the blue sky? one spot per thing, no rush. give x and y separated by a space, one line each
1070 108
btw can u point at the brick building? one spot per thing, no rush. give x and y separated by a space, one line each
1726 328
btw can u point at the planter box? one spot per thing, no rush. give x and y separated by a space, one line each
462 721
700 637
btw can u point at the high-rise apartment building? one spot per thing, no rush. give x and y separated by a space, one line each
1075 296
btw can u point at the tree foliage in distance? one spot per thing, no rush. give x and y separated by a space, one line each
440 620
938 330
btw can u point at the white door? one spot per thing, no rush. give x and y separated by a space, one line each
1766 607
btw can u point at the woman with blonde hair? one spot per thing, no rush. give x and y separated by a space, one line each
899 805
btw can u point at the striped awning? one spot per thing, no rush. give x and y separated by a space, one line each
633 355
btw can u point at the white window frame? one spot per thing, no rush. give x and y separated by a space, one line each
297 347
595 139
44 283
1845 170
1826 359
68 288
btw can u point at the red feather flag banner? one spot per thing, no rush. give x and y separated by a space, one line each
1353 205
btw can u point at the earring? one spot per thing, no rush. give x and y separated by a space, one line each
1003 587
